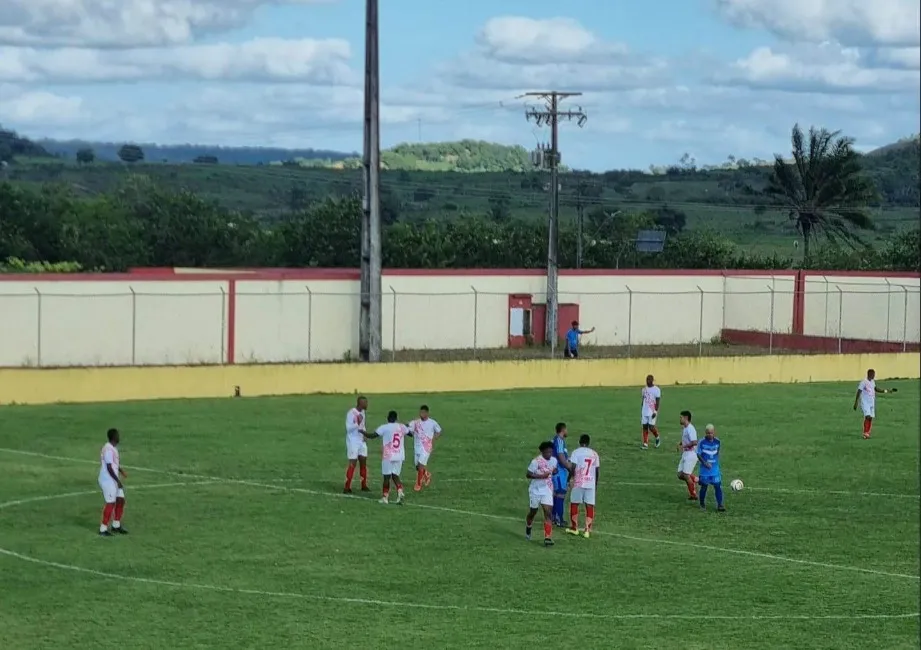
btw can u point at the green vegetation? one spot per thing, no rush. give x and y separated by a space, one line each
496 218
268 553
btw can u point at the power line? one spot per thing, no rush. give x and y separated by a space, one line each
551 115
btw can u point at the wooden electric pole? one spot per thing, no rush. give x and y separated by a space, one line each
369 327
551 115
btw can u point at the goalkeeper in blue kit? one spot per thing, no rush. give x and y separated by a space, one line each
708 453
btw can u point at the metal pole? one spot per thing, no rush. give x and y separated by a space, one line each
134 326
840 315
771 335
374 181
581 234
553 244
629 320
38 345
476 314
309 324
905 321
700 333
223 324
888 306
827 293
393 327
723 323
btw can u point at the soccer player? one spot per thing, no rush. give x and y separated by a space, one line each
561 478
652 397
708 453
585 461
572 340
540 491
424 431
113 492
356 446
688 447
392 435
866 397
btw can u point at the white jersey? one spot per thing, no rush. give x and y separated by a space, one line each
355 425
689 436
867 388
393 435
108 456
424 432
585 460
650 395
541 465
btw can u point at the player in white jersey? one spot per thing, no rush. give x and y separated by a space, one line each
866 398
652 397
393 435
356 446
585 462
424 431
540 490
113 492
688 449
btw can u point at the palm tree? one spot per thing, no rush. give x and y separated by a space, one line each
823 188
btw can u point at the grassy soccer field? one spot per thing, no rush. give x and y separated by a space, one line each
240 538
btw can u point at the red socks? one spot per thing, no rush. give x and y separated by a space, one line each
349 475
867 426
364 477
529 521
420 476
645 437
691 491
548 530
107 513
589 517
655 432
574 516
119 510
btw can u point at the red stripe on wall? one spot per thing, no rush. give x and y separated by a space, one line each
231 321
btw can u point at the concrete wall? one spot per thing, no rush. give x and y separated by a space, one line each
166 317
872 307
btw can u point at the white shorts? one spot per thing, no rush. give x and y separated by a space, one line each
355 448
540 499
869 411
649 420
422 458
687 463
582 495
111 491
391 467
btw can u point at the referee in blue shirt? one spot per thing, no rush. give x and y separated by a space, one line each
572 340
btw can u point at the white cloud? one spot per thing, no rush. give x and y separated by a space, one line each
850 22
516 39
826 68
123 23
908 58
39 109
517 53
270 59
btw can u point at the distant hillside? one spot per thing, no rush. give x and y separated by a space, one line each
900 145
12 145
186 153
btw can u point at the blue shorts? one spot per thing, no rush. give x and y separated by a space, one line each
561 481
716 479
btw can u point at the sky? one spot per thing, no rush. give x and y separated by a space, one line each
711 78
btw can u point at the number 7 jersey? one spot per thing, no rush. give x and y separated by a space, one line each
585 460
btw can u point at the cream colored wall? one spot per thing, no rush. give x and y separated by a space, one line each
750 302
875 308
296 320
662 309
103 323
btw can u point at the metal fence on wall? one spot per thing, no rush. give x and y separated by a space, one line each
45 329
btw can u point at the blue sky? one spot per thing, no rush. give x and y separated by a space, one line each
711 78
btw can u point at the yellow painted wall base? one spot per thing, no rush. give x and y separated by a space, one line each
34 386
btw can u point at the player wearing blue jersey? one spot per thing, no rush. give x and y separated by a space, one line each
708 453
561 478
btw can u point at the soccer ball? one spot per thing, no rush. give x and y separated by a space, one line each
737 485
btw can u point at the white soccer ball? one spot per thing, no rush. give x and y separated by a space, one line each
736 485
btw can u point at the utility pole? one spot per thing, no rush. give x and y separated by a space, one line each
551 115
580 208
369 327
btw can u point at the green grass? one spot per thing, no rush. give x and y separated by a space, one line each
273 561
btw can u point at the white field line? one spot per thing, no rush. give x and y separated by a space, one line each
634 538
